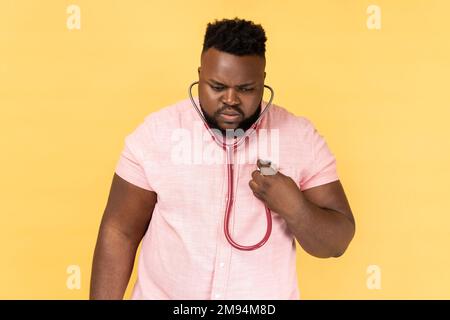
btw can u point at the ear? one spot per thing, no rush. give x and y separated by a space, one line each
264 75
199 70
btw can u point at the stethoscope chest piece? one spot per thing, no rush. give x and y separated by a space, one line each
267 167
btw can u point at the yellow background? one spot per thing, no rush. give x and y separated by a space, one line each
380 98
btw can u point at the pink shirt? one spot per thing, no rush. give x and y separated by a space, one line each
184 253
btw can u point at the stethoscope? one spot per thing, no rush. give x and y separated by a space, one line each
265 169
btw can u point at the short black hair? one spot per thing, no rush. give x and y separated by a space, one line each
236 36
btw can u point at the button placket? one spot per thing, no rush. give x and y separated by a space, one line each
223 254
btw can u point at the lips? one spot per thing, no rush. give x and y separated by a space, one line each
230 116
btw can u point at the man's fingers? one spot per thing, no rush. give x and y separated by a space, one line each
257 195
256 189
257 176
253 185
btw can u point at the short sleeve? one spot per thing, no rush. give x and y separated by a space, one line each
322 168
130 165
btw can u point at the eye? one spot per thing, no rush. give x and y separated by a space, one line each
217 88
245 89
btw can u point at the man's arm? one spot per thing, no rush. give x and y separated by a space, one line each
323 222
320 217
125 220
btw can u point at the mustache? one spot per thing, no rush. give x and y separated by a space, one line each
234 109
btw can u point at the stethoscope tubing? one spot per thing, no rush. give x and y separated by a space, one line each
229 149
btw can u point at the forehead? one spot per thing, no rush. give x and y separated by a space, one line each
227 67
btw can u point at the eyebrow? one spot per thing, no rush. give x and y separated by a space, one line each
240 85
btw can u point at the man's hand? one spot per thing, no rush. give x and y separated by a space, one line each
278 192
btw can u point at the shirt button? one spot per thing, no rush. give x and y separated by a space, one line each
217 295
222 264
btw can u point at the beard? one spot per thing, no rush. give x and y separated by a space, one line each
244 125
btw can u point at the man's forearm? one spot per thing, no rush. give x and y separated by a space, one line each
322 233
112 265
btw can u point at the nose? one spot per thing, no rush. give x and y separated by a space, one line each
230 97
